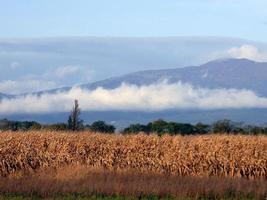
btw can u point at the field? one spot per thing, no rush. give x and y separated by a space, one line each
46 164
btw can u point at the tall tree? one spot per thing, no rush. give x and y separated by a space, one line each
74 122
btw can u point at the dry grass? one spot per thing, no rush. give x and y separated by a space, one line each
87 181
209 155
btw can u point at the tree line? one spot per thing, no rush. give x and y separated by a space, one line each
159 127
162 127
98 126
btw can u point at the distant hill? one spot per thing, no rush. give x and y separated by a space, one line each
2 95
227 73
224 73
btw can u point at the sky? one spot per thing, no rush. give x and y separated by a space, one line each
134 18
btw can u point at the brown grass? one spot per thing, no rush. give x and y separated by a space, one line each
88 181
209 155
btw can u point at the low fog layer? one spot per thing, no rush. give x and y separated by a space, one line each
154 97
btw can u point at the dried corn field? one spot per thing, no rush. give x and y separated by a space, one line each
209 155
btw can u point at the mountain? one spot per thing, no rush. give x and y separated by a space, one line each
223 73
226 73
2 95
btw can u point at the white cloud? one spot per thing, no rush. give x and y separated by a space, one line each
153 97
66 70
245 51
249 52
24 86
70 74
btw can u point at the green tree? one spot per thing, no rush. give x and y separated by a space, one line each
136 128
180 128
101 126
36 126
223 126
158 126
202 128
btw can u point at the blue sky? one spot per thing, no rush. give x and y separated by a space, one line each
54 18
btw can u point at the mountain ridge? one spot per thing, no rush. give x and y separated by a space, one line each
3 95
227 73
222 73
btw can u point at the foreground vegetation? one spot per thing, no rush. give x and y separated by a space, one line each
79 182
43 164
77 196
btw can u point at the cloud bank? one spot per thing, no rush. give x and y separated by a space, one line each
154 97
249 52
244 51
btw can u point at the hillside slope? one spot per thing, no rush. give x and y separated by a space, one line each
228 73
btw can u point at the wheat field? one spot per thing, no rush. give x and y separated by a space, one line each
209 155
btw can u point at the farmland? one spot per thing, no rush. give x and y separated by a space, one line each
48 163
